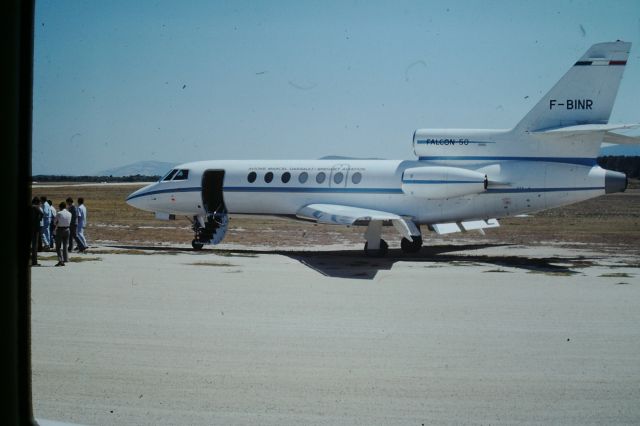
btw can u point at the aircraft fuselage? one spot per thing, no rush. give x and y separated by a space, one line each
283 187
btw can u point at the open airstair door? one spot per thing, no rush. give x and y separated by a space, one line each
213 226
212 197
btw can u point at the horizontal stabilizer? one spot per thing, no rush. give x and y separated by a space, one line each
585 129
602 132
610 137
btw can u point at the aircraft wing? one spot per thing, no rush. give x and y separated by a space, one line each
480 225
346 215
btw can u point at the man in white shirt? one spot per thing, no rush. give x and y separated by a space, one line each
46 221
62 221
82 222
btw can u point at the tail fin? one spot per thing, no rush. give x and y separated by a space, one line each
585 94
567 125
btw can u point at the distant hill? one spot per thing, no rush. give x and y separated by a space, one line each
144 168
341 157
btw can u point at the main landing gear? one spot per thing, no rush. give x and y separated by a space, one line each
412 246
379 251
377 247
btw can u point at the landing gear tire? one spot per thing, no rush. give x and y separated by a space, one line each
196 245
380 252
413 246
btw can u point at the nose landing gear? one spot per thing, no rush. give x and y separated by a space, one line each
209 231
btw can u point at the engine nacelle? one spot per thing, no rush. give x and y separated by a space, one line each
437 182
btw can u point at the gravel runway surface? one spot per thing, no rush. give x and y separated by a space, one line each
469 334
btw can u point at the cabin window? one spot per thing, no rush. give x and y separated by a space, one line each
286 177
182 174
268 177
169 175
251 177
320 177
356 178
303 177
338 177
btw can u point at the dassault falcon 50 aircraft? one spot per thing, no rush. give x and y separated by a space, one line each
461 180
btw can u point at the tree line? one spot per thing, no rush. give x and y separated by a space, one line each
627 165
98 179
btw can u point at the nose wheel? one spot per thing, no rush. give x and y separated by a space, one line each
200 234
197 245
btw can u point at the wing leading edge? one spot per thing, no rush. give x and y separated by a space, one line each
346 215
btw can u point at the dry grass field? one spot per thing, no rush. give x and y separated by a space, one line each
611 222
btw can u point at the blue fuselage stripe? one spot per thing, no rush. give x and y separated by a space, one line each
441 142
277 189
441 182
254 189
313 190
519 190
566 160
164 191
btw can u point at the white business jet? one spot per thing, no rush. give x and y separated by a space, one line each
462 179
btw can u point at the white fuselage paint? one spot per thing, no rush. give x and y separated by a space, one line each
515 187
461 178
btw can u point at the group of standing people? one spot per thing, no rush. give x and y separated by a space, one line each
57 229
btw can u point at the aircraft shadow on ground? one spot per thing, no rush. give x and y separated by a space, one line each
354 264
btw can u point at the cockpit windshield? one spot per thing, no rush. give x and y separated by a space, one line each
183 174
169 175
176 174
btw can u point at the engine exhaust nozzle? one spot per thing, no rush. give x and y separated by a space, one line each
615 182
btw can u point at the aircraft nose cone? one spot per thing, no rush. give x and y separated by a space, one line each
137 198
132 200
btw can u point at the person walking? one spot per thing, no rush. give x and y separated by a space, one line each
82 222
52 225
46 222
73 226
36 218
63 222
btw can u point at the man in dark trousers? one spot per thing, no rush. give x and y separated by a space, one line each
74 223
62 222
52 225
45 237
36 217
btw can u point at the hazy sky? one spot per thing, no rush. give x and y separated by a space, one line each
121 81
